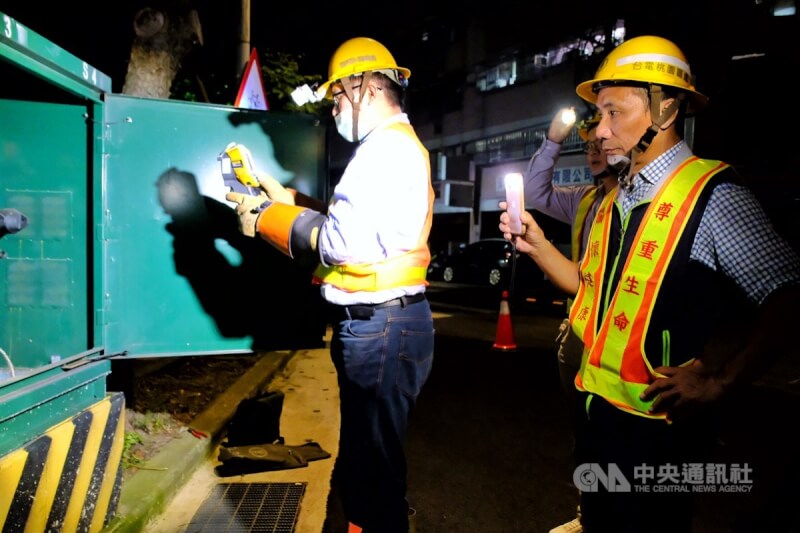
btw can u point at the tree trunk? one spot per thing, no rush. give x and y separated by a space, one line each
164 37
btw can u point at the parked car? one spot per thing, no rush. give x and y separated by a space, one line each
436 266
489 262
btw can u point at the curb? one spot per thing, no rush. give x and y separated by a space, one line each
146 494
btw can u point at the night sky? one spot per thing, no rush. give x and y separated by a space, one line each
710 32
101 32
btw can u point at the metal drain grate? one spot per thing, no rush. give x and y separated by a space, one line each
249 507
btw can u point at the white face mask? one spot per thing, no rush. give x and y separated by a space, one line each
344 124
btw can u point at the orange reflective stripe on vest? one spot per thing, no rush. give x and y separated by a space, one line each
580 220
584 311
614 365
410 268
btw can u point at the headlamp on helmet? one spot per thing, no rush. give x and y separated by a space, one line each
587 125
306 94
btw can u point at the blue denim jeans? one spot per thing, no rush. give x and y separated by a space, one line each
382 363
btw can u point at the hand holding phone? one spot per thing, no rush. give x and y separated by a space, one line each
515 200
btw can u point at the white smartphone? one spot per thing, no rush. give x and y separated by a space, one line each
515 198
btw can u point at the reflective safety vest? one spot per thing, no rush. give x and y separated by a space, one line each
578 224
409 268
614 365
580 221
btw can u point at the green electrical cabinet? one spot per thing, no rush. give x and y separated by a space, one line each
116 241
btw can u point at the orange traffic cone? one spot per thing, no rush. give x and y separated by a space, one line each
504 339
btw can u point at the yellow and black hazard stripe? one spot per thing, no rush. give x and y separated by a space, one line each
69 478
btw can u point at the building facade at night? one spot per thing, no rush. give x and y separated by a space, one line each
482 104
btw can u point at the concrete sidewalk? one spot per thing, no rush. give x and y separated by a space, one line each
150 492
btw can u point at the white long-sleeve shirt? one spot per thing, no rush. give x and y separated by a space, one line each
378 209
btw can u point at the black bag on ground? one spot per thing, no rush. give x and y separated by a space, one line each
257 420
254 442
239 460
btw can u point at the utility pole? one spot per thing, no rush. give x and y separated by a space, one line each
244 38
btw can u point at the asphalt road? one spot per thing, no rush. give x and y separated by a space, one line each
489 447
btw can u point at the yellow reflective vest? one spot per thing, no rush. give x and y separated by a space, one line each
579 222
410 268
614 365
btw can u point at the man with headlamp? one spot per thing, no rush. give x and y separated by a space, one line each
371 243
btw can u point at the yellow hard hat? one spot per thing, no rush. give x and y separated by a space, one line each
644 60
587 125
361 54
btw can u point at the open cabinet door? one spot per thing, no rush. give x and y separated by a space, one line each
89 269
115 241
179 277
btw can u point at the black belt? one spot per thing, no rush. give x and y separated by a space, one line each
367 310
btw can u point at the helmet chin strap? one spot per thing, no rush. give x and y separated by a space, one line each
347 85
626 163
